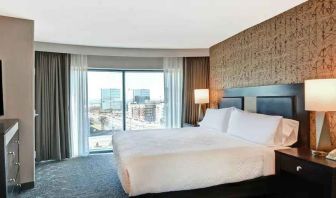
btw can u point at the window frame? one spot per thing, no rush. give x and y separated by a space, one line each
124 71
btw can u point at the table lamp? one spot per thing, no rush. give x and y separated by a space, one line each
201 97
320 96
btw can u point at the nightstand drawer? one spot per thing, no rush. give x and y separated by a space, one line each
304 168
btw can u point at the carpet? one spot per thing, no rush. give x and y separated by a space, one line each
92 176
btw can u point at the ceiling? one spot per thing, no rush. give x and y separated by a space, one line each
170 24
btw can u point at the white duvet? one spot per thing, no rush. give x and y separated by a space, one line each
155 161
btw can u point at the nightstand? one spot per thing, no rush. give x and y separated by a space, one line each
314 175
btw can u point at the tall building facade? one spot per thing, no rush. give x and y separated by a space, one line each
142 112
140 96
110 99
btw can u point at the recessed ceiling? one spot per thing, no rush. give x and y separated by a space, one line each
175 24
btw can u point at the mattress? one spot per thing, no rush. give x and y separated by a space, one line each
155 161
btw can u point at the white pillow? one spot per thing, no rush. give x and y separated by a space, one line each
216 119
287 133
257 128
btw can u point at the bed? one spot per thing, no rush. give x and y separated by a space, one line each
174 159
191 161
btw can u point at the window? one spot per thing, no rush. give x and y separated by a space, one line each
105 108
144 100
123 100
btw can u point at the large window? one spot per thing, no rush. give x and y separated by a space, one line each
123 100
105 108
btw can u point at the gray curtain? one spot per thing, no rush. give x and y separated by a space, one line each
52 92
196 71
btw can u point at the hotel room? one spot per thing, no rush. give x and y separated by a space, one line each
168 98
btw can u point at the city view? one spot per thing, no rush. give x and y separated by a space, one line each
143 108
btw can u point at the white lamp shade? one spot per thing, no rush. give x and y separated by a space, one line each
320 95
201 96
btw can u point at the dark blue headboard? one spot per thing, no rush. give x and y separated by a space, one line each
227 102
283 100
277 105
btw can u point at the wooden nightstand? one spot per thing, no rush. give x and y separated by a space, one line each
314 175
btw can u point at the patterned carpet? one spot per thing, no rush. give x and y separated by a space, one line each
92 176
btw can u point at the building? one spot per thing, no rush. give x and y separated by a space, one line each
140 96
111 100
142 112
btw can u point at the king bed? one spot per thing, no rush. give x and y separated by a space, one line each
216 161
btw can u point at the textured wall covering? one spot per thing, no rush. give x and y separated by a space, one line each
296 45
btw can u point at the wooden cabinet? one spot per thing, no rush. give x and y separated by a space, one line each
316 174
10 159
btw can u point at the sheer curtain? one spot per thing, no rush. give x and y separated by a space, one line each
173 80
79 106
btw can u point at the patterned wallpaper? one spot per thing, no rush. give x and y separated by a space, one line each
296 45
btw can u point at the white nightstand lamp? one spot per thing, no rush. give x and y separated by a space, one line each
201 97
320 96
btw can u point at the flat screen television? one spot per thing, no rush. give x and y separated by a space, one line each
1 95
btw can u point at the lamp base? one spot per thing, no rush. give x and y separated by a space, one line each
319 153
200 112
323 142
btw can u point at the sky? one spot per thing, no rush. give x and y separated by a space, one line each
133 80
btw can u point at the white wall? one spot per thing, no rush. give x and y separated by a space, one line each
118 62
110 51
17 54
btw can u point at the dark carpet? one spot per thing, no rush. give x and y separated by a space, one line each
92 176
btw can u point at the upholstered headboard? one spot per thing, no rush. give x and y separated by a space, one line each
283 100
237 102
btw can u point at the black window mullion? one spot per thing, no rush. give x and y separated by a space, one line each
124 100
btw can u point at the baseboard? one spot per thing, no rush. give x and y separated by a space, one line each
28 185
103 151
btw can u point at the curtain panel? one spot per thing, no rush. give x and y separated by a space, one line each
196 72
173 81
79 106
52 91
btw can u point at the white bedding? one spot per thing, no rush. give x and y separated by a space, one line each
155 161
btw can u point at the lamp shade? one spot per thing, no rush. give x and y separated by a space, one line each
320 95
201 96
